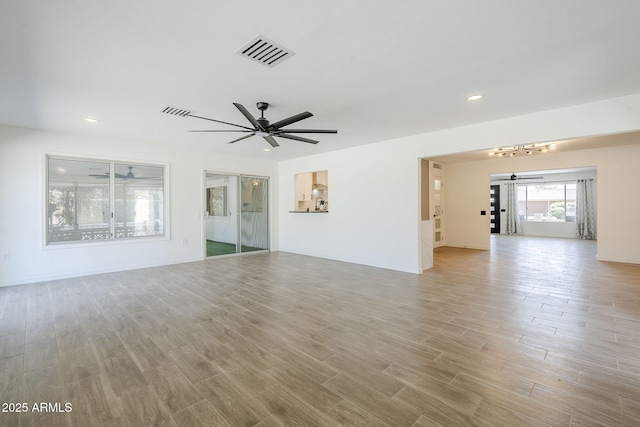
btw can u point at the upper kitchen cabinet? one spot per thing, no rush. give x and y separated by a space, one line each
304 182
312 191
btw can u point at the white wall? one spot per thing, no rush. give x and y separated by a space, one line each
373 208
22 194
564 230
385 230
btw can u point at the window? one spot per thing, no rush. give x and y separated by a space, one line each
312 191
102 200
552 202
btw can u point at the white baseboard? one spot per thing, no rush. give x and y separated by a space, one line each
620 260
47 278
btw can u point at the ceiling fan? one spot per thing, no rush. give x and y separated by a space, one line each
262 127
128 175
513 177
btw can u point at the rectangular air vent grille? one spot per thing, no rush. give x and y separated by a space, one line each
264 51
175 111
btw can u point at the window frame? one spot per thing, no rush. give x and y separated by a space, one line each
112 162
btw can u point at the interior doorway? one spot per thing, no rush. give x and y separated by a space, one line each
236 214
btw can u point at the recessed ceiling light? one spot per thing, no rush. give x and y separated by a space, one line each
474 97
90 119
267 149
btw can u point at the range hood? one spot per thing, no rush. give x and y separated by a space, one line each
317 185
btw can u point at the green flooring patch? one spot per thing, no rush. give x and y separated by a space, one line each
220 248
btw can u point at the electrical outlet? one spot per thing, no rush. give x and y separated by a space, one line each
6 256
185 241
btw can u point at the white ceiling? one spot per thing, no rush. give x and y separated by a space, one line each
374 70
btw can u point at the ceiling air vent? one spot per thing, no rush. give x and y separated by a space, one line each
264 51
175 111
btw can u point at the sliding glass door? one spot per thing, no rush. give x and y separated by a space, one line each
236 216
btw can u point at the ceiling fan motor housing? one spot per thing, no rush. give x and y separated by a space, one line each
263 122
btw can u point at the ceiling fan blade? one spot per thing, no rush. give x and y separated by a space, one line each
309 131
271 141
297 138
290 120
231 130
241 138
218 121
248 115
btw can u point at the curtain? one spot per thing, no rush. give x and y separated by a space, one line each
254 231
513 217
585 209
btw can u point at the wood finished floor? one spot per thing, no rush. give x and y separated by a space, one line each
534 332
